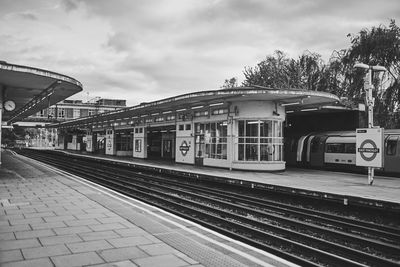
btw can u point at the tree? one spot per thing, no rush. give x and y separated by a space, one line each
377 46
230 83
269 72
279 71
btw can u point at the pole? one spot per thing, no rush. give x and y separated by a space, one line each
370 104
370 101
1 117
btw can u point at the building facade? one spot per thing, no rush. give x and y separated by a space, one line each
74 109
41 136
238 128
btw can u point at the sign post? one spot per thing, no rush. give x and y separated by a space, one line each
367 150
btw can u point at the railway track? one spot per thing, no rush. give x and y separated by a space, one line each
304 236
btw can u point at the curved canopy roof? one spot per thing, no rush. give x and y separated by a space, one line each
190 101
33 89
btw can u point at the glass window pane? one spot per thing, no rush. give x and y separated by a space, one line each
266 128
207 151
252 152
213 151
213 130
252 128
241 152
265 152
241 128
391 146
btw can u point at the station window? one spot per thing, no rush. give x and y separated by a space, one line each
211 140
188 127
124 141
391 145
219 111
61 113
159 119
201 113
181 127
259 140
170 117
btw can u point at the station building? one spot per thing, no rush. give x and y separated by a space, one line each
236 128
40 136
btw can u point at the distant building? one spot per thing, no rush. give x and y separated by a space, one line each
73 109
38 135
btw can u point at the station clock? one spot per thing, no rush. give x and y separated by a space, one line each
9 105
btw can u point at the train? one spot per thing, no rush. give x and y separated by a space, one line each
336 150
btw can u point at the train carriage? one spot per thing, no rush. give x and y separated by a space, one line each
337 150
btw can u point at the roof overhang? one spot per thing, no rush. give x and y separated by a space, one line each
33 89
190 101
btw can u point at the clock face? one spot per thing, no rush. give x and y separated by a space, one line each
9 105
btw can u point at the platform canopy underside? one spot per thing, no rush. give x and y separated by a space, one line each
33 89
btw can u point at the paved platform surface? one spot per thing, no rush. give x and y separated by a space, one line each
342 187
48 218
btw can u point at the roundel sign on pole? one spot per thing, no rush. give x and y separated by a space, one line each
369 147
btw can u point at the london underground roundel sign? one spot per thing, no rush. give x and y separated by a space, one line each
369 144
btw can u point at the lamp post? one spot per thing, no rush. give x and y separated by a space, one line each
369 101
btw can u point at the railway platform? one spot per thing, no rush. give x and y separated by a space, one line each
51 218
342 187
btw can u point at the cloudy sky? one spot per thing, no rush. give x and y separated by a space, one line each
145 50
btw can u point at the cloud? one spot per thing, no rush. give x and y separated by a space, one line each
120 42
69 5
27 16
144 50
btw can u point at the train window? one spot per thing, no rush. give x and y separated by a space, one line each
391 145
350 148
334 148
